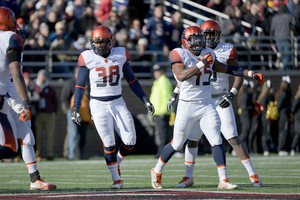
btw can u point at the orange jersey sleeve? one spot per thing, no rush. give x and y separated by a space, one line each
81 61
127 55
174 57
233 54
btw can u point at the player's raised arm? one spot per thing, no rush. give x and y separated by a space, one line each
82 77
237 71
135 85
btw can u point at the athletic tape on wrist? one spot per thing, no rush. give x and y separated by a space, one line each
250 73
200 65
234 91
176 90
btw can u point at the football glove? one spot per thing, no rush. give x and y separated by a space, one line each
26 113
259 77
226 100
1 101
16 106
149 107
76 118
171 101
206 60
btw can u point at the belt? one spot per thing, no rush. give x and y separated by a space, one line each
196 101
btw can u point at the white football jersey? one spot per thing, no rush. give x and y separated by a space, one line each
11 90
5 41
219 81
197 87
105 73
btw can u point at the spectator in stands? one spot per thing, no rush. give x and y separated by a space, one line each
217 5
284 101
245 111
265 98
44 31
27 8
291 6
70 20
176 29
135 31
252 18
21 23
86 21
296 112
255 133
123 40
42 13
34 27
246 6
46 110
65 98
233 24
51 21
59 8
103 10
113 22
78 9
161 92
281 27
59 34
157 29
43 3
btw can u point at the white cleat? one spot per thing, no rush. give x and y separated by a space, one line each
186 182
156 180
42 185
117 184
225 184
256 182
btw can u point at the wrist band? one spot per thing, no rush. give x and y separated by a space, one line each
176 90
234 91
250 73
200 65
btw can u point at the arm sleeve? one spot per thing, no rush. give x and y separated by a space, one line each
83 74
132 81
280 101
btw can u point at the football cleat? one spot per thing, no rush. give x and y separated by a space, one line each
42 185
117 184
156 180
256 182
225 184
186 182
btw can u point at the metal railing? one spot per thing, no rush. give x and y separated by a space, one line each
247 48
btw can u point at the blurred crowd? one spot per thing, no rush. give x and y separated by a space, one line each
267 117
67 25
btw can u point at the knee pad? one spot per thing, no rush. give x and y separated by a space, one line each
192 144
217 140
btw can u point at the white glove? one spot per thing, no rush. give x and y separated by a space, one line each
16 106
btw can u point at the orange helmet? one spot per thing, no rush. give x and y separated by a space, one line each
7 19
20 31
193 39
211 26
102 33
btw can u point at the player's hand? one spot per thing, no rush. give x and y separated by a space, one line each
226 100
76 118
1 101
259 77
26 113
149 107
207 59
16 106
171 101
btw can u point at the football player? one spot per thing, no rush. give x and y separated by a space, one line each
105 66
24 132
192 68
227 54
10 54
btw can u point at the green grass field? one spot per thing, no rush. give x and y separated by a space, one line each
278 174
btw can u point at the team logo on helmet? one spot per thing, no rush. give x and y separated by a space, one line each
7 19
193 39
211 26
99 34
